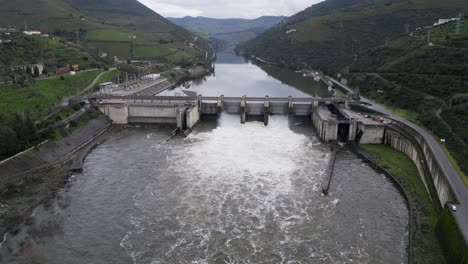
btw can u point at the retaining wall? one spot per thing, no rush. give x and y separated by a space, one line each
409 142
14 168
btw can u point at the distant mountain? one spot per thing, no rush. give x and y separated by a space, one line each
328 34
125 28
233 30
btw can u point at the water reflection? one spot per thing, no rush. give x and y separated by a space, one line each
234 76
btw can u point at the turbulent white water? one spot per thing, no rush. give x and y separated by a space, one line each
239 195
228 193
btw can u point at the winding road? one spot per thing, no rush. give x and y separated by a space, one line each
458 186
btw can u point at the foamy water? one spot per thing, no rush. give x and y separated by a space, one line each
228 193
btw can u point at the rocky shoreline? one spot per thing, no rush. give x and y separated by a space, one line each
37 185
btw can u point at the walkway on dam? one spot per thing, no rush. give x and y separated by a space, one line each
458 186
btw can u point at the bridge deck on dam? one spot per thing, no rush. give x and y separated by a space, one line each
174 99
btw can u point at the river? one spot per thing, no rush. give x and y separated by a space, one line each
235 76
227 193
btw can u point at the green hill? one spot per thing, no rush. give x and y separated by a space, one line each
425 73
328 34
119 27
27 50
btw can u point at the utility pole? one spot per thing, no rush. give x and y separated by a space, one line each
78 38
126 80
407 28
460 17
428 36
25 26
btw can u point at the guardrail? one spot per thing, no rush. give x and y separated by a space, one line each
213 98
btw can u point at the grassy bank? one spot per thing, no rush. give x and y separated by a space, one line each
109 76
452 241
415 118
37 98
21 106
426 248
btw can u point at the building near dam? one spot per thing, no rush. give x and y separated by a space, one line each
332 119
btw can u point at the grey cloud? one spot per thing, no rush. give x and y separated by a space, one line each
227 9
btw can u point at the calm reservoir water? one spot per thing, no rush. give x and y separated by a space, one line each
235 76
228 193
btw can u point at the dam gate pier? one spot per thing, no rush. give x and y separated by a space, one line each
331 117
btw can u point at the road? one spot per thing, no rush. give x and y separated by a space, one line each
458 186
90 86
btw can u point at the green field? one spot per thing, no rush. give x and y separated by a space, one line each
153 51
41 97
119 43
121 35
426 248
109 35
109 76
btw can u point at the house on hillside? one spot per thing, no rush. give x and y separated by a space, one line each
32 32
25 67
63 70
8 30
442 21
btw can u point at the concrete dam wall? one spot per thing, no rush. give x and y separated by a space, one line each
332 120
408 141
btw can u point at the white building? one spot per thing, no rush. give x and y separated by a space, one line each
32 32
442 21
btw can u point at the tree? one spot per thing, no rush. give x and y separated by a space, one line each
8 141
24 129
36 71
44 71
28 71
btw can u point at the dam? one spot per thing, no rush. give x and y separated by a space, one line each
240 183
332 119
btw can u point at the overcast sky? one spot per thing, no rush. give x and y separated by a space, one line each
227 8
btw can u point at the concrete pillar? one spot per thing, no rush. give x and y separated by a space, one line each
200 101
192 116
220 104
181 116
266 110
290 104
243 110
352 130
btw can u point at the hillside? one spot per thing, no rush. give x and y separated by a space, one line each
27 50
123 28
232 30
426 74
328 34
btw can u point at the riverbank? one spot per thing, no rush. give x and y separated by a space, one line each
195 72
425 243
34 176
